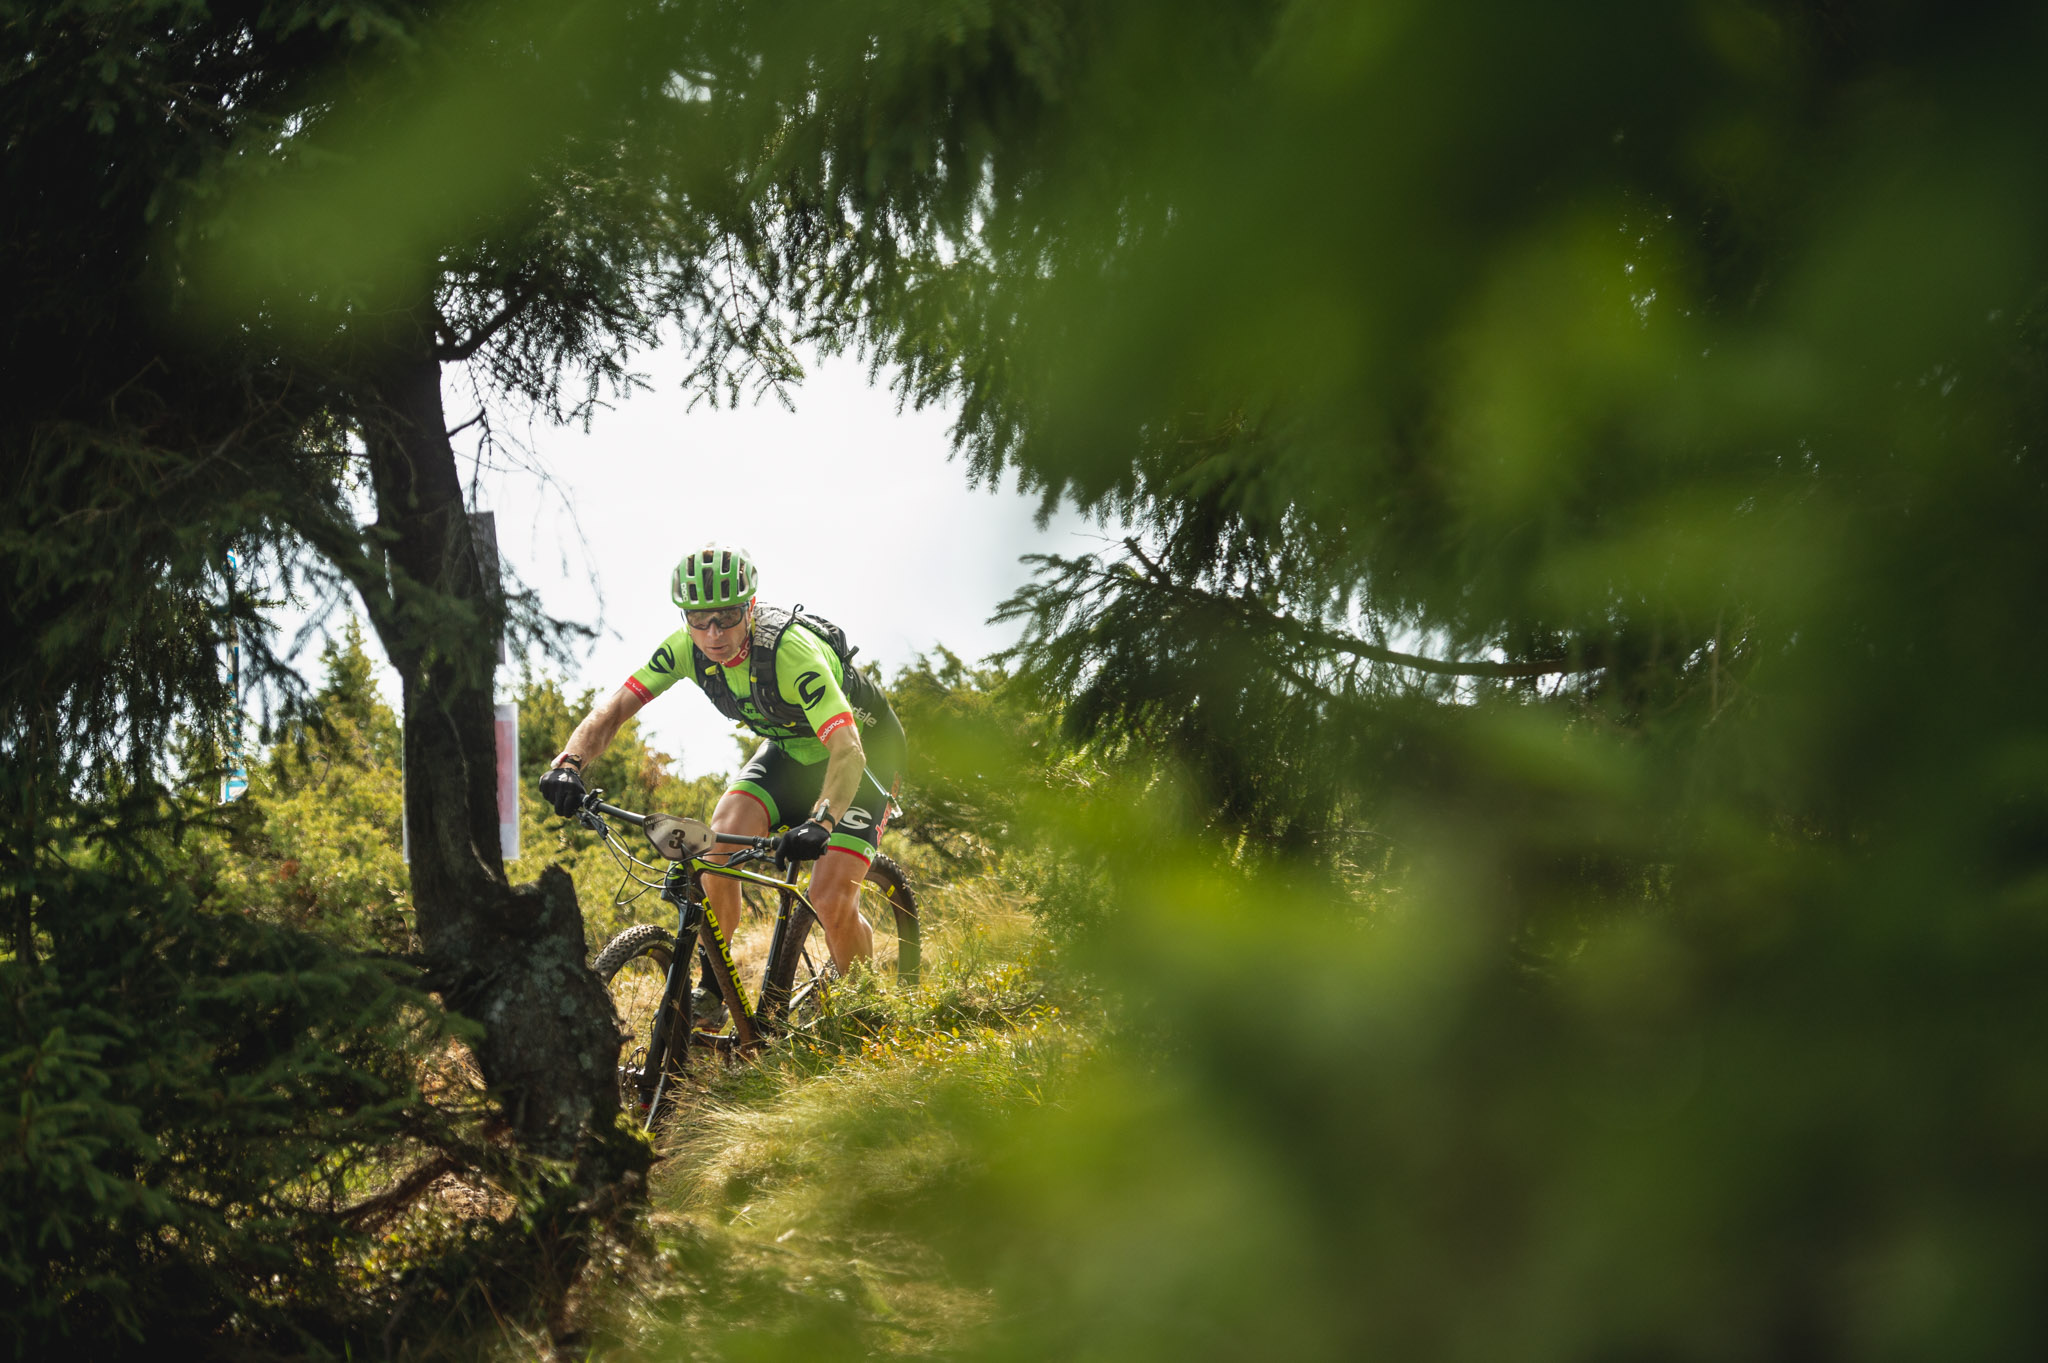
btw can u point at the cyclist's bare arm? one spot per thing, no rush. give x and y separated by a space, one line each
601 726
845 760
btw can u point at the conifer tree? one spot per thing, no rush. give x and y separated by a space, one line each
181 384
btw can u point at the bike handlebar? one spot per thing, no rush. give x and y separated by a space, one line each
624 815
595 805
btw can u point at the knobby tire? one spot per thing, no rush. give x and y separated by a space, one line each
793 992
634 967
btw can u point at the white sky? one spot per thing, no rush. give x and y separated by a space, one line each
848 506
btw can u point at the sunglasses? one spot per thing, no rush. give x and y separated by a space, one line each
724 619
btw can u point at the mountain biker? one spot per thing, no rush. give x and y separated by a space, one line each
832 748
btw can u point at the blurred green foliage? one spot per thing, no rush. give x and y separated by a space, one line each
1687 363
974 734
1593 454
1558 795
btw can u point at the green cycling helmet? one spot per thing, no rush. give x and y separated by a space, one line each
713 577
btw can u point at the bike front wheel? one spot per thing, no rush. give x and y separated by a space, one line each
800 977
634 967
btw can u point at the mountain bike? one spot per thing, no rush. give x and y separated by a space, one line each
649 978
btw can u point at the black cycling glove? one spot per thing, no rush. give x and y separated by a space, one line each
562 788
805 842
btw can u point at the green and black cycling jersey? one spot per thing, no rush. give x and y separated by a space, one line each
795 685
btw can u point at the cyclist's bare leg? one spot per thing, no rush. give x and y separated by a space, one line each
737 812
835 893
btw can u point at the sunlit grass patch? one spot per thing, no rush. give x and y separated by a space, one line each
790 1208
793 1205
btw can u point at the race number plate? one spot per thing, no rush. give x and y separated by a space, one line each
677 838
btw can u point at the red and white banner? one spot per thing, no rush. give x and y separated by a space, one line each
508 782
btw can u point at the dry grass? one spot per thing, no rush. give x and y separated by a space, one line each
793 1193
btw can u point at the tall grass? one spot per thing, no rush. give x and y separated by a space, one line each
794 1204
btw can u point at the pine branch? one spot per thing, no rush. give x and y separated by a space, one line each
1323 636
375 1210
456 351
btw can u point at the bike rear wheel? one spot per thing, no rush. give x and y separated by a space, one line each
800 977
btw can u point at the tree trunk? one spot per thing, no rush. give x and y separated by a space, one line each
511 958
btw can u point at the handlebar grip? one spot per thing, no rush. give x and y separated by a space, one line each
765 844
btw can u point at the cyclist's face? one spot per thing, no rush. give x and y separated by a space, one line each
721 634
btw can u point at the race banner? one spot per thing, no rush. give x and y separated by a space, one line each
508 782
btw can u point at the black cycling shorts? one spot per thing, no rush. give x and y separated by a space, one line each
789 791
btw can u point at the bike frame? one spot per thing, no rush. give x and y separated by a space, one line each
682 886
